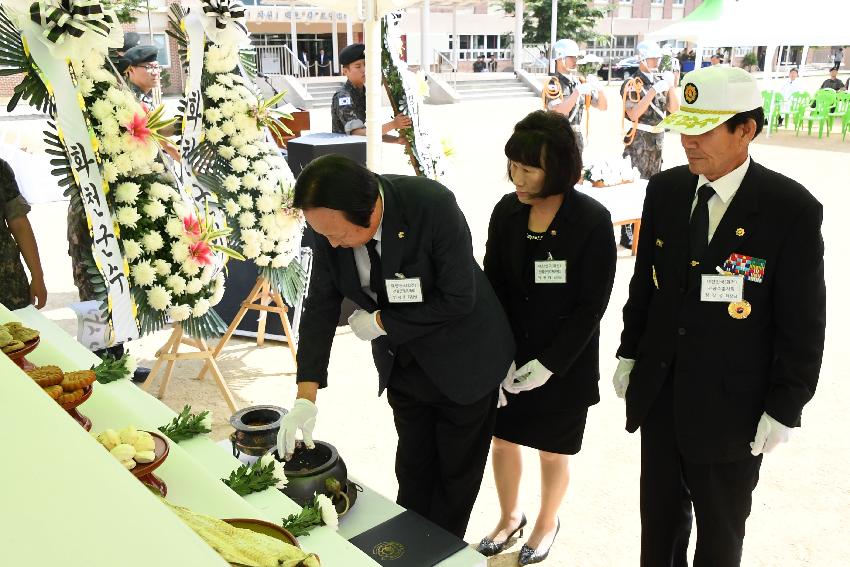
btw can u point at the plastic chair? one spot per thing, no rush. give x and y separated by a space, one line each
842 103
824 101
799 102
845 124
774 118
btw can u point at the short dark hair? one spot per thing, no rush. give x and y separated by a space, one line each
339 183
545 139
756 114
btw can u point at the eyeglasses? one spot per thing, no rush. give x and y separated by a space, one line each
152 68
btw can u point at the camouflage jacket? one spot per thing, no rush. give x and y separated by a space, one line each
568 85
651 116
14 285
348 109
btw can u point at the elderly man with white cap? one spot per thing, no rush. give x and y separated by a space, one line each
724 326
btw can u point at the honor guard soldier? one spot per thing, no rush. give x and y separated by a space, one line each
647 98
567 92
348 107
723 330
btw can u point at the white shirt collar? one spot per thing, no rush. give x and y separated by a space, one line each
378 232
728 185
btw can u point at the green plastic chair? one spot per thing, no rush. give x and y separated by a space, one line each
824 101
845 124
773 119
800 101
842 103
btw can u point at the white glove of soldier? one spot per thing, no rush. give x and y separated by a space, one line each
503 401
661 86
669 78
532 375
584 89
769 434
365 326
621 376
302 416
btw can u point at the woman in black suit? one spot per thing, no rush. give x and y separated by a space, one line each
551 259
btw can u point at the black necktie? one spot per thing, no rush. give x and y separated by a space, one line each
376 277
699 223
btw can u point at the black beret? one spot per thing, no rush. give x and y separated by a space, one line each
352 53
131 40
141 54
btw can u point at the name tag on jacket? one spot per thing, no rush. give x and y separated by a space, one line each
723 289
550 271
405 290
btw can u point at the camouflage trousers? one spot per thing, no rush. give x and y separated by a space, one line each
14 285
79 248
645 152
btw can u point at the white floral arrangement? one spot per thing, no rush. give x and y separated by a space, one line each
611 171
164 234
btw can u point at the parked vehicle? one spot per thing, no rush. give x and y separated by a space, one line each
623 69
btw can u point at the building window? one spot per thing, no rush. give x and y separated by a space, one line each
658 2
160 41
678 2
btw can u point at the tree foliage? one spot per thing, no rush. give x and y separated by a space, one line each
127 10
576 20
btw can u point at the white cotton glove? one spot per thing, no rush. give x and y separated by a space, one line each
365 326
621 376
532 375
506 383
302 416
661 86
769 434
584 89
669 78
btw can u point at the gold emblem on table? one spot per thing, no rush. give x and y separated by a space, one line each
740 309
388 550
740 232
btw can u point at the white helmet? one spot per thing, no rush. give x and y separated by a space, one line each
667 50
564 48
648 50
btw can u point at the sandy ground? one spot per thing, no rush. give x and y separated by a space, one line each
801 510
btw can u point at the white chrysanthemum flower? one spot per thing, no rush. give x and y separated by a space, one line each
201 307
267 221
163 268
110 128
231 183
115 96
127 193
245 201
85 85
132 249
247 219
144 273
265 203
111 144
249 180
231 208
179 251
216 92
160 191
179 312
102 110
267 246
238 140
123 163
245 123
183 210
194 286
157 167
229 128
266 185
102 75
263 261
218 290
252 236
93 60
329 515
249 150
228 109
215 135
159 298
152 242
212 114
128 216
261 167
239 164
251 250
271 228
174 227
207 275
190 267
225 79
125 115
227 152
155 209
280 261
176 283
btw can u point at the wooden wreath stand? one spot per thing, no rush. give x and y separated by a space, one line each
170 354
261 298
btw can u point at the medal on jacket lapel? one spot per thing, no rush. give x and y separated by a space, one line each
740 309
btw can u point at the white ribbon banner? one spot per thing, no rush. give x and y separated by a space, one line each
79 142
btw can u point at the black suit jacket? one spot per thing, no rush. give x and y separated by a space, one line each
458 335
558 324
726 371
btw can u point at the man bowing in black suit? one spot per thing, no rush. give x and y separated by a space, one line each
400 248
724 326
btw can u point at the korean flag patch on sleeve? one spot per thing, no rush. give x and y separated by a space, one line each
345 101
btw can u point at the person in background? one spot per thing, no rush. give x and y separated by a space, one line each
723 329
304 58
348 107
479 65
791 86
838 58
492 64
551 258
16 240
324 63
833 82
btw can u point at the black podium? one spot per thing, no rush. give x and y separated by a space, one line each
304 149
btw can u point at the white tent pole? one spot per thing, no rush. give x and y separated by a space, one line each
349 31
372 32
553 32
424 32
803 59
293 38
455 37
334 46
698 49
769 79
518 14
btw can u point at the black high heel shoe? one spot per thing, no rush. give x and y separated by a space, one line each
527 555
487 547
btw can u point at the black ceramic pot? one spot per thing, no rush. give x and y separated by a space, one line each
256 429
309 471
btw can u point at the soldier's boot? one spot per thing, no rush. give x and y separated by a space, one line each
626 235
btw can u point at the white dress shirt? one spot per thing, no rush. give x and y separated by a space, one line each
361 257
724 190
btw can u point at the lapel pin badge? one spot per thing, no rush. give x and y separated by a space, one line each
694 263
740 309
740 232
659 242
554 233
401 234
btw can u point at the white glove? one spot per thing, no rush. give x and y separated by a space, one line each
503 401
532 375
621 376
661 86
584 89
302 416
365 326
669 77
769 434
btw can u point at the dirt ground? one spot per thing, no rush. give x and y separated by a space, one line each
801 509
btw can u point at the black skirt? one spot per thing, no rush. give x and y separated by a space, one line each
555 432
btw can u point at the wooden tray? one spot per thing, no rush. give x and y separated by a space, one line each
144 471
18 356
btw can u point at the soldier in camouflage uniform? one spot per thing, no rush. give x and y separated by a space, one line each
573 91
17 239
648 98
348 107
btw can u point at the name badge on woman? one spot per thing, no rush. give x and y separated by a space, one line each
404 290
550 271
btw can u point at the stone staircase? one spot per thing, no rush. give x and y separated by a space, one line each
322 89
492 86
